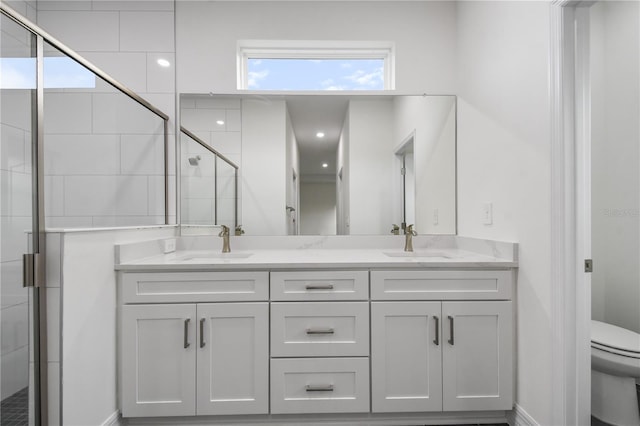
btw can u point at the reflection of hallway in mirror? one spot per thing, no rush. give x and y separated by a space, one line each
318 208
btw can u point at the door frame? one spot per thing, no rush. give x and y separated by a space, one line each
570 212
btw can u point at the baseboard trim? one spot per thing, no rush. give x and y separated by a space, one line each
113 420
519 417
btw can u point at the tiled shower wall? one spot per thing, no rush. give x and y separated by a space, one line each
103 161
200 116
104 152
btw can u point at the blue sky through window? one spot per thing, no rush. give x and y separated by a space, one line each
59 72
315 74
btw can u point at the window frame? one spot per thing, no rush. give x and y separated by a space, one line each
315 49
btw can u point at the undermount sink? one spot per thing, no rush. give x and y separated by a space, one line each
211 256
416 254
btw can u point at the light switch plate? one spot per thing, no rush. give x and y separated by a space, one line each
487 214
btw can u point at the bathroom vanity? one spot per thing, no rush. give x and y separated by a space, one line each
300 334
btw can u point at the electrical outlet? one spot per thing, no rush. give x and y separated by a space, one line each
487 214
169 245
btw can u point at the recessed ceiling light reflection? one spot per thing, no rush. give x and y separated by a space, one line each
320 135
220 123
163 63
325 165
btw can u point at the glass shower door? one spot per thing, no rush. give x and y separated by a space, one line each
18 371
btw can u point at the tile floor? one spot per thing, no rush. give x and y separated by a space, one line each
14 410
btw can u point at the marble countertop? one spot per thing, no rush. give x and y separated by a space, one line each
323 258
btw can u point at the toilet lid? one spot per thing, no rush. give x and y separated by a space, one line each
615 337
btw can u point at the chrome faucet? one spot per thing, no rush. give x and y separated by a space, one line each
225 239
409 233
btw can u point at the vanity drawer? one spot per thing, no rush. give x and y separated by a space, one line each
441 285
320 385
179 287
320 329
320 285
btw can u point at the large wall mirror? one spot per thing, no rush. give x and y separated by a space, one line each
331 164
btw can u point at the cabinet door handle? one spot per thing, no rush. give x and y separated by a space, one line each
436 320
319 388
186 333
450 330
319 287
202 332
320 331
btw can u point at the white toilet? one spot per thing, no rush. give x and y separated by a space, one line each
615 370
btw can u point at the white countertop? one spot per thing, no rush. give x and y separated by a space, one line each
202 260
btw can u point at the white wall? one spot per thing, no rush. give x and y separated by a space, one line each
423 32
263 167
615 134
317 208
370 166
104 154
89 321
504 159
26 8
434 121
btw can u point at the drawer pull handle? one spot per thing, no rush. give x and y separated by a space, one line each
186 333
202 332
320 331
450 330
319 388
319 287
437 323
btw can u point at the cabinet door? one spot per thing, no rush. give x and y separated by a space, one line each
233 358
158 360
477 356
406 356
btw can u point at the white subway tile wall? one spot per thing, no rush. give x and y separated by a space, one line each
104 152
83 31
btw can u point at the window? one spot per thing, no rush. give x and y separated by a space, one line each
59 73
314 65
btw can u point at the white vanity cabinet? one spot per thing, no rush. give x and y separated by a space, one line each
300 346
195 358
429 354
319 342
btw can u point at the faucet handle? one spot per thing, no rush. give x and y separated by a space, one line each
239 231
410 230
224 232
395 230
